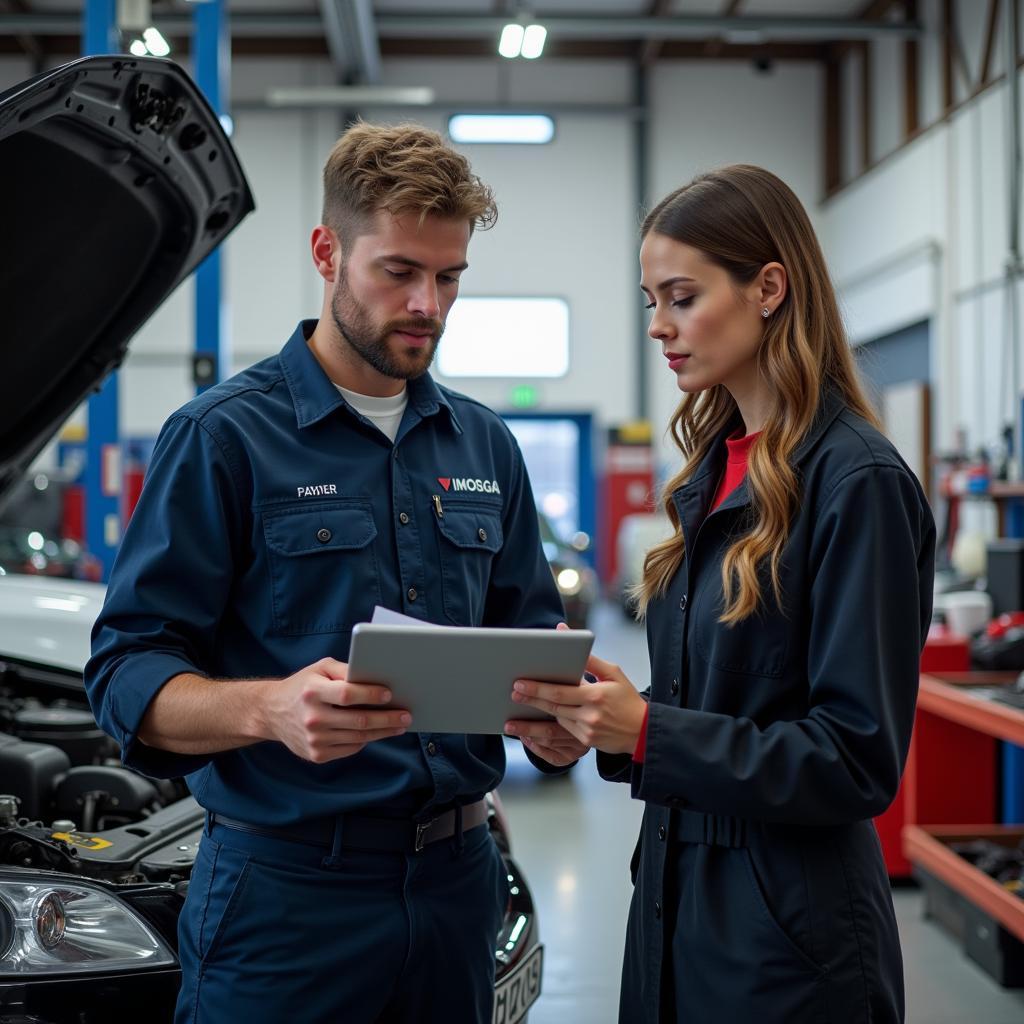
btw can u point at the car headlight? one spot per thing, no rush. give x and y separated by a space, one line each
58 926
569 582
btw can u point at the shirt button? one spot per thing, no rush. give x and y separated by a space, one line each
482 534
661 832
675 687
682 603
323 535
657 909
403 519
412 595
431 748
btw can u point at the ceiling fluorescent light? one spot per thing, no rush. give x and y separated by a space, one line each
535 129
533 41
511 40
155 43
351 96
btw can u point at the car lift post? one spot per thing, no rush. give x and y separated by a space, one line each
103 447
211 58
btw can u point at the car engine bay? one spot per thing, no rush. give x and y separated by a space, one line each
66 802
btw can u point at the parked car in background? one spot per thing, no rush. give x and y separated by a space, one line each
95 859
576 581
25 551
638 533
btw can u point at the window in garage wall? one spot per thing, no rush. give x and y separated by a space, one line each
518 337
896 369
895 358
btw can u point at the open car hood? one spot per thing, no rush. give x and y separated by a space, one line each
116 181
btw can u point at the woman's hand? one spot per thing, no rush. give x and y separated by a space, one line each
548 740
608 714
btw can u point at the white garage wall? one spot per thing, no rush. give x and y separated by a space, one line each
923 236
706 115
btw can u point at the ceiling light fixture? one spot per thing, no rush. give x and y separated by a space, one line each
533 42
535 129
155 42
511 43
522 38
351 96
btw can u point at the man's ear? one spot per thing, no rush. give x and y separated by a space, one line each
773 286
326 249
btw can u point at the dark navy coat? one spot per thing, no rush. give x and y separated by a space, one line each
274 518
760 890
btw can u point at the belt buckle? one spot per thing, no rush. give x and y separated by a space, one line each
422 828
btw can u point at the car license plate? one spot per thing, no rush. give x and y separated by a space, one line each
519 990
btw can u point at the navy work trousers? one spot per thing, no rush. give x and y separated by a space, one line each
269 933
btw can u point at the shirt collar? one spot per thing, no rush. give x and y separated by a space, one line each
314 395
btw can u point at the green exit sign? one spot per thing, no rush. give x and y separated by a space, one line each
524 396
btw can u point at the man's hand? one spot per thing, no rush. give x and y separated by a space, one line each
608 714
311 713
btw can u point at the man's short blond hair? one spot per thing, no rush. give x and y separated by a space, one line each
401 169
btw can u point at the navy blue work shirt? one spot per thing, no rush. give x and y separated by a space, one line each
273 518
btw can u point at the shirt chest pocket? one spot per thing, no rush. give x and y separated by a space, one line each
468 537
323 567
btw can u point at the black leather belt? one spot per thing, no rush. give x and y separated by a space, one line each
359 832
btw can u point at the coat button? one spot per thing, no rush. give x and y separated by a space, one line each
682 603
674 687
323 535
431 748
657 909
403 519
661 832
411 594
482 534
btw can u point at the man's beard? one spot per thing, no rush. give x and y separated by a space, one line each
371 341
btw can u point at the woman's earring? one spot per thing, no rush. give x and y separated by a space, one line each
764 312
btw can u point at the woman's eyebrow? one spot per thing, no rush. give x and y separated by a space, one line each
671 281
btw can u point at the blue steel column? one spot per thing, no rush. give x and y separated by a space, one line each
103 448
211 57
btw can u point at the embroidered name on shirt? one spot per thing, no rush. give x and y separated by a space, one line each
316 490
464 484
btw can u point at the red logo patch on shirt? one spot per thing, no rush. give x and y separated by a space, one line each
445 481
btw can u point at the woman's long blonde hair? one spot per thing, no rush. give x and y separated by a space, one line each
742 217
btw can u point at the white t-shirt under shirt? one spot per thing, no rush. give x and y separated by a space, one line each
386 413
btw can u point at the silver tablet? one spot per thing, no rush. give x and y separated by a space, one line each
455 679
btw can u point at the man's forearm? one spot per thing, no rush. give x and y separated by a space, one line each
195 715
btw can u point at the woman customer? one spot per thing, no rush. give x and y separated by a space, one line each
785 619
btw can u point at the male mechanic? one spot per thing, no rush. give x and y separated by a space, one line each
346 872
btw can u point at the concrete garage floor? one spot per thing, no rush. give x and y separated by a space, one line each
573 837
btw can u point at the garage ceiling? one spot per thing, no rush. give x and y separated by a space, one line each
644 30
